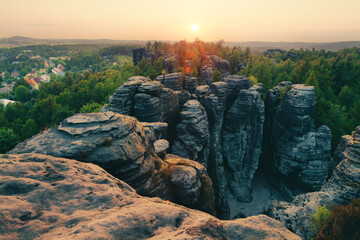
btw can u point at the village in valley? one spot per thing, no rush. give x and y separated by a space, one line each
42 72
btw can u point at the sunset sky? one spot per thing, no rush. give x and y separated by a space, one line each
250 20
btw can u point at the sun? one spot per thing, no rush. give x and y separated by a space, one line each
194 27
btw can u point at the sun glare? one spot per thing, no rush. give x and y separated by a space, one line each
194 28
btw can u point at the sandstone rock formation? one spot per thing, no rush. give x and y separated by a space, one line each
67 199
222 64
297 151
173 81
226 137
161 146
192 133
344 183
236 115
148 101
140 53
339 189
206 75
190 84
155 130
171 62
192 184
241 137
183 96
339 153
235 83
213 99
115 142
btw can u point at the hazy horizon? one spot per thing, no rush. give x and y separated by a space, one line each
233 21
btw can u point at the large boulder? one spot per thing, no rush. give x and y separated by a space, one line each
339 189
192 133
117 143
43 197
298 153
192 184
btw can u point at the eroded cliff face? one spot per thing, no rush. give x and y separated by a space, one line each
118 144
293 147
68 199
241 136
342 186
218 125
192 133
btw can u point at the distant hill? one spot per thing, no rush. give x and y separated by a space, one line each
17 41
262 46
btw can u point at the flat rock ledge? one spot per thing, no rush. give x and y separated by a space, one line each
44 197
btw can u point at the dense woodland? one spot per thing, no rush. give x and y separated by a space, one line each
91 77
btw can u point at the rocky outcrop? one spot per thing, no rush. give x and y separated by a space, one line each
183 96
148 101
296 215
297 151
206 75
213 99
192 184
173 81
67 199
115 142
155 130
339 153
339 189
192 133
235 83
161 146
222 64
140 53
190 84
344 183
241 141
171 62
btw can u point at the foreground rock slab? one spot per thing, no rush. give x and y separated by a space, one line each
44 197
119 144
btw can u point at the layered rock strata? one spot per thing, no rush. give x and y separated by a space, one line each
241 141
299 153
173 81
339 189
192 133
115 142
67 199
148 101
213 99
190 84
